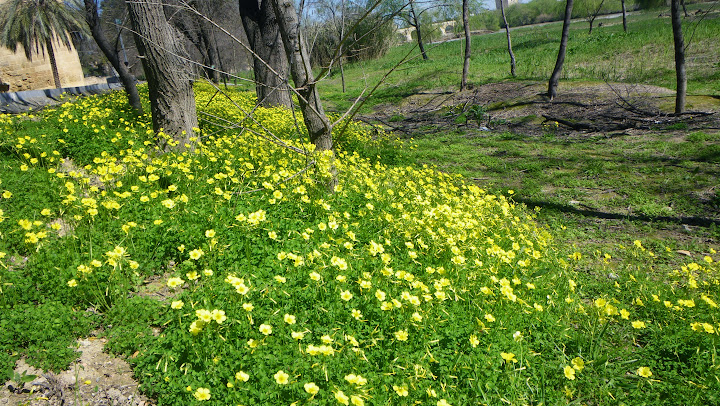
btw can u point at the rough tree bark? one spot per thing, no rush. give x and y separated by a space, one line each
262 30
680 73
415 22
555 77
468 49
127 79
624 13
317 124
200 33
53 63
507 32
172 99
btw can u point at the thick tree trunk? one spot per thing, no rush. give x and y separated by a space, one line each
416 24
127 79
207 33
507 32
53 63
624 13
680 73
172 99
316 122
555 77
468 49
263 33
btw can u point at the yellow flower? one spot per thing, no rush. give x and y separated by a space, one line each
342 398
578 363
644 372
508 357
401 390
357 400
311 388
196 327
196 254
72 283
202 394
289 319
281 378
638 324
266 329
177 304
346 295
625 314
46 212
210 233
242 376
401 335
175 282
490 318
218 316
357 314
6 194
380 295
204 315
442 402
569 372
474 341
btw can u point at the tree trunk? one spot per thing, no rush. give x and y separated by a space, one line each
263 33
207 34
680 73
593 16
172 99
416 24
53 63
624 13
555 77
340 40
127 79
468 48
507 32
313 114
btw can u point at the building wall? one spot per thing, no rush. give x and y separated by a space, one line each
505 3
23 74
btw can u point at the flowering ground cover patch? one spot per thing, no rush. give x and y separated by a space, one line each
406 286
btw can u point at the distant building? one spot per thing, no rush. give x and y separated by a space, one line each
505 3
23 74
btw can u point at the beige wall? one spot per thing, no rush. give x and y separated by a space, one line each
23 74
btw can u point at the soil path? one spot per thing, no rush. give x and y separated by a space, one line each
96 379
523 108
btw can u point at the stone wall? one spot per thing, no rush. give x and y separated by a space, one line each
23 74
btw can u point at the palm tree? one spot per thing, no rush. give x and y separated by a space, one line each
36 24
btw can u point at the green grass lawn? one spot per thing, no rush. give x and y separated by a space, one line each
459 267
643 55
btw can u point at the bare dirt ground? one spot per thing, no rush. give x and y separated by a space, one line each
524 108
96 378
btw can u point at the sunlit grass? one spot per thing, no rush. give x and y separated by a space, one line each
408 285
